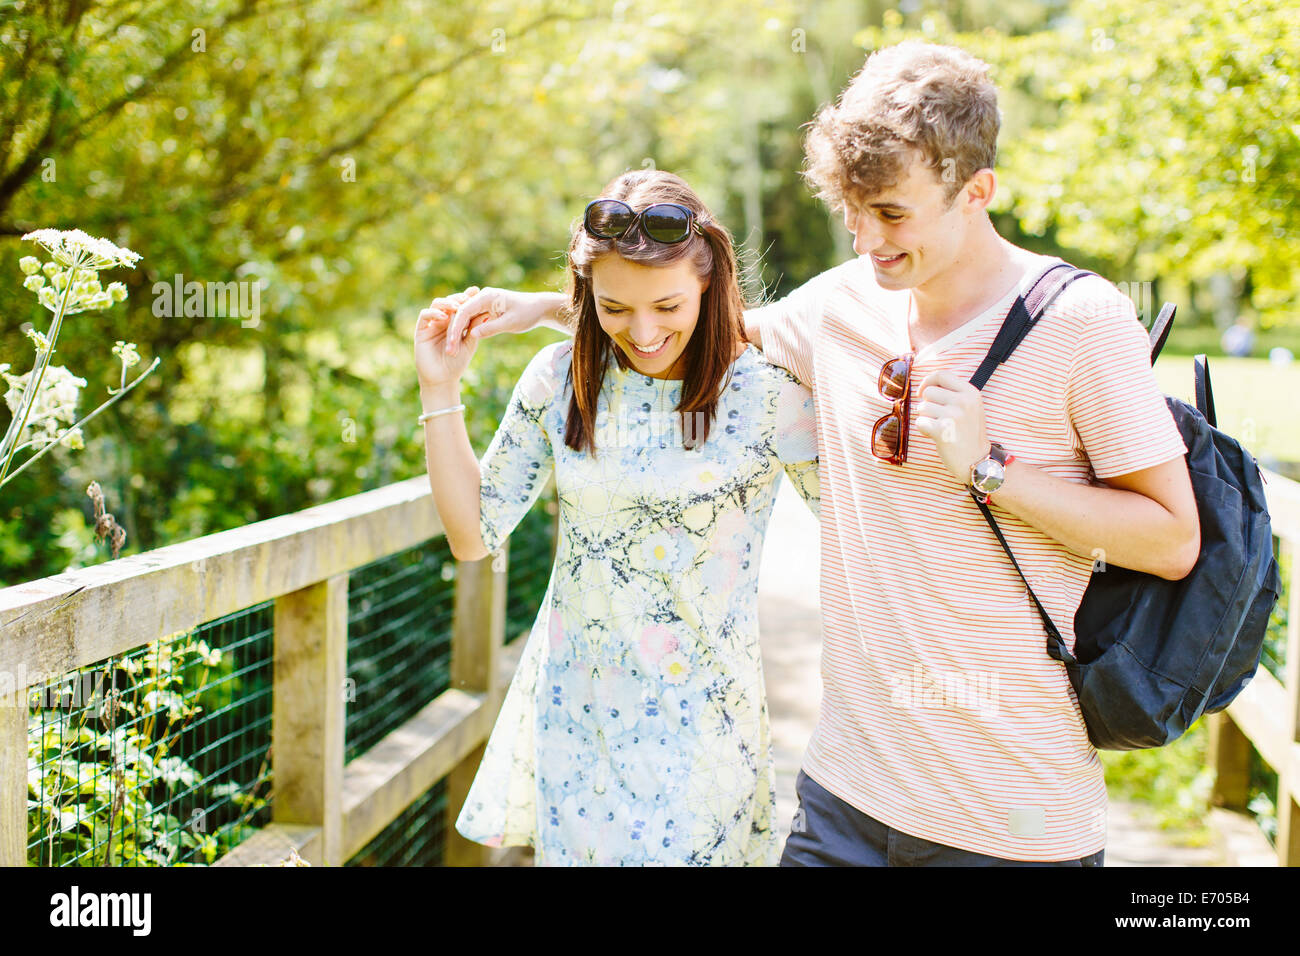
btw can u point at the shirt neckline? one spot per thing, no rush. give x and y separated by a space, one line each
998 310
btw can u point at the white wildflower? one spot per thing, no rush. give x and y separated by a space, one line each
72 247
38 337
126 352
57 402
29 264
81 285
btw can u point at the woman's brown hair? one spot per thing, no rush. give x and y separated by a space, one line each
718 330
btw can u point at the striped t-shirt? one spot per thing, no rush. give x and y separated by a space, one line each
942 715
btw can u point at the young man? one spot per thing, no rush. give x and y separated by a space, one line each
947 735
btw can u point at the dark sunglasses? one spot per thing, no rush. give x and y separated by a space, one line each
889 437
664 222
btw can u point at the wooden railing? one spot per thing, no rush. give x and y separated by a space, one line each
327 810
324 809
1266 716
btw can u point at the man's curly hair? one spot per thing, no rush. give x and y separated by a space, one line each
908 98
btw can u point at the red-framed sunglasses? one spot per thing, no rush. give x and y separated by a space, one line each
889 437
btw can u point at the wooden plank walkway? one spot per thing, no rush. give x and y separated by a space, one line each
790 626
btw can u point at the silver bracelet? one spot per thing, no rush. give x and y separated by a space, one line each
441 411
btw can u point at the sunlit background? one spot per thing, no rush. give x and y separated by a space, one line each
353 159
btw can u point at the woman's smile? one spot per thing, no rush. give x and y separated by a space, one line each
656 350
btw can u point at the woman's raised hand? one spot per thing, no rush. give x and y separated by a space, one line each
487 312
433 363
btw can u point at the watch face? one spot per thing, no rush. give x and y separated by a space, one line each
987 475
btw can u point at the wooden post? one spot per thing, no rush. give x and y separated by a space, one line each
1288 789
478 631
13 774
1229 753
311 630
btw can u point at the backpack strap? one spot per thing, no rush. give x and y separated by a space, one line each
1027 310
1204 394
1160 329
1055 643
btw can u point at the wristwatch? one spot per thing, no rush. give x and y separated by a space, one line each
988 474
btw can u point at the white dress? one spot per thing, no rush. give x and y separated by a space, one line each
635 730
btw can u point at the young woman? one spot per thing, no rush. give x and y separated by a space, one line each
635 730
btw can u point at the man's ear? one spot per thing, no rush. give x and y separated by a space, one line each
979 189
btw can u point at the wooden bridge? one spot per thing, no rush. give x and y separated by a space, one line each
325 809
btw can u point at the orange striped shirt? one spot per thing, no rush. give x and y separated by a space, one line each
942 715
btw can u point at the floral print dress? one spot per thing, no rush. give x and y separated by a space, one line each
635 730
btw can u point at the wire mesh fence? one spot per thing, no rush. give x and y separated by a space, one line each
417 837
157 757
399 640
162 756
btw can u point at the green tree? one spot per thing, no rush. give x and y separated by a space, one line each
1158 136
353 158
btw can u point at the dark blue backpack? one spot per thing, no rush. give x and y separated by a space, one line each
1151 656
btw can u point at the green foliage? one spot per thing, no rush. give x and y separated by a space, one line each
1274 655
354 160
1262 789
104 785
1174 780
358 164
1262 796
1159 136
1207 339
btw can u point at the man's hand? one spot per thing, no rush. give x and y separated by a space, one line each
485 312
951 412
1145 520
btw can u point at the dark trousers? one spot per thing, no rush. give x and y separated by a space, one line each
830 832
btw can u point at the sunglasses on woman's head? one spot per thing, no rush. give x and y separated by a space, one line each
665 222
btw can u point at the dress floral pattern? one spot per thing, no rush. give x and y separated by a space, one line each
635 730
